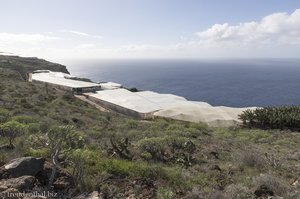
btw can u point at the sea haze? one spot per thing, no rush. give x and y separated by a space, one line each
236 83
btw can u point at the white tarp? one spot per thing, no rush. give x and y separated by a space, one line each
127 99
59 78
148 102
213 116
171 106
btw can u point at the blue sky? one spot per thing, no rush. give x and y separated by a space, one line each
67 29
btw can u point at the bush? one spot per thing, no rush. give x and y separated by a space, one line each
285 117
237 191
250 158
11 130
4 115
272 183
165 193
24 119
160 148
33 128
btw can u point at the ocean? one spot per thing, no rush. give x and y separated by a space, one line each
221 82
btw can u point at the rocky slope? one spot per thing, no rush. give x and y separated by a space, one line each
28 64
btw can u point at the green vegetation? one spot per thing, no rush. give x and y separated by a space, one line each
286 117
11 130
158 158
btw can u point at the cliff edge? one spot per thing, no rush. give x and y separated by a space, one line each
25 65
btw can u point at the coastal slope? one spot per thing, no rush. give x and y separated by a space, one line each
24 65
122 157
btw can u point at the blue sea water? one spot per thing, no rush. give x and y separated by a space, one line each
236 83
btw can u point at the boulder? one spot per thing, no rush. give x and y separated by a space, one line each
24 166
21 184
44 175
93 195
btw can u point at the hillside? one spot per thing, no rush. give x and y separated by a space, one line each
28 64
120 157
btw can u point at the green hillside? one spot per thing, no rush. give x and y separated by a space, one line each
122 157
28 64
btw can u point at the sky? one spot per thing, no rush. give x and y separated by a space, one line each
94 29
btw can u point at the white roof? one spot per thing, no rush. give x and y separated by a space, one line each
61 79
168 100
172 106
144 101
213 116
127 99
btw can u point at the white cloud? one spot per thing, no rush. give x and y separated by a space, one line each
81 33
280 28
276 35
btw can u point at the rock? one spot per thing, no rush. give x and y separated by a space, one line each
22 183
93 195
263 191
62 183
24 166
132 196
3 173
3 188
44 175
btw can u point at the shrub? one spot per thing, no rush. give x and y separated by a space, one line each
37 152
131 124
174 149
237 191
33 128
165 193
285 117
11 130
272 183
4 115
160 148
117 167
109 191
250 158
24 119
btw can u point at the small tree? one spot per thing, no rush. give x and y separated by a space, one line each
11 130
61 141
